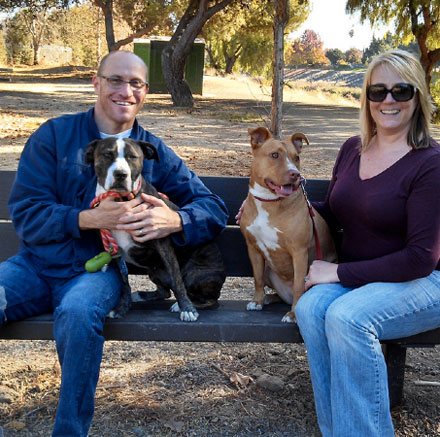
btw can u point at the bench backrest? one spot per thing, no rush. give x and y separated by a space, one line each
233 190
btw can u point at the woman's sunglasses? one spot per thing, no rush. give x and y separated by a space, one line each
401 92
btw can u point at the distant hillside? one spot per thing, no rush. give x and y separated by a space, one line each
346 77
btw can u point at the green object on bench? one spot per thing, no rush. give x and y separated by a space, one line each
230 322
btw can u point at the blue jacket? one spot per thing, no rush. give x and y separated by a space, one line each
54 184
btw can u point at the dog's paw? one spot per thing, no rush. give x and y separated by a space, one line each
189 316
254 306
114 315
288 317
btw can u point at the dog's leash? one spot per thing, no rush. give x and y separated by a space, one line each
109 243
101 261
312 216
311 213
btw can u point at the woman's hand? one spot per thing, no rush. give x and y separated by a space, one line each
240 213
150 219
321 272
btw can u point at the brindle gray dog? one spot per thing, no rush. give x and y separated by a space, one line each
194 274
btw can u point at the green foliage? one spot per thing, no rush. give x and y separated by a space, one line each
240 37
159 15
435 93
3 51
17 40
335 56
78 28
34 5
414 20
378 46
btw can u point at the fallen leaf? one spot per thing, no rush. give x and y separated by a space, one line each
240 380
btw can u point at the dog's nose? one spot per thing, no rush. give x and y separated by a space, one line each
120 175
293 175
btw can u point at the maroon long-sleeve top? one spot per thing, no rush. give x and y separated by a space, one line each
390 222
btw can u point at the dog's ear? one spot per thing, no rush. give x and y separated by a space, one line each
149 151
90 152
259 136
297 140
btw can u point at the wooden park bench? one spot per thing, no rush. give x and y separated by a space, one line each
230 322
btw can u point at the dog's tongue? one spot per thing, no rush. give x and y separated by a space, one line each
285 190
281 190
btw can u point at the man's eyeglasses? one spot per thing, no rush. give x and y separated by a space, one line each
401 92
116 82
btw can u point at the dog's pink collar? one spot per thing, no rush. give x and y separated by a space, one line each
267 200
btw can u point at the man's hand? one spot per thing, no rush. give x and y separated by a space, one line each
107 214
150 219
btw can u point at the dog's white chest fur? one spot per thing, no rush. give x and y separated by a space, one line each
123 239
265 235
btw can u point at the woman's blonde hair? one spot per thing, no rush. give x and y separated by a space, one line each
408 67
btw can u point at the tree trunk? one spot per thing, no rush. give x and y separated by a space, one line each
173 66
428 58
177 50
230 60
107 9
280 22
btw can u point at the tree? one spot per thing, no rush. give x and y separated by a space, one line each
34 15
179 47
240 37
353 56
307 50
3 52
335 56
376 47
79 29
280 22
414 19
18 41
141 15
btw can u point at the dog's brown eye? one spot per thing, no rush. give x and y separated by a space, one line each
275 155
108 155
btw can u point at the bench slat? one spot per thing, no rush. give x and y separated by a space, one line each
6 181
230 322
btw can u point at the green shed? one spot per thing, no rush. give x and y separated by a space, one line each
150 50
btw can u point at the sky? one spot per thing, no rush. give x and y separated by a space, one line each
329 20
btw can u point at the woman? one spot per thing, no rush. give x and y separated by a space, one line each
385 195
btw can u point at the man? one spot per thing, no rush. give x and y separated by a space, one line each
49 206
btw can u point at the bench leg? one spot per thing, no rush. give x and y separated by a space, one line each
395 356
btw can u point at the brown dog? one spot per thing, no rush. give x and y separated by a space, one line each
277 223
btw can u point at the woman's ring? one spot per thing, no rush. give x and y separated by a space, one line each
306 278
141 232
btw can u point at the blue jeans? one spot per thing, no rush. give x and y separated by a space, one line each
80 305
342 328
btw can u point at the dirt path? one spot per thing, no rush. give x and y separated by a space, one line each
170 389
